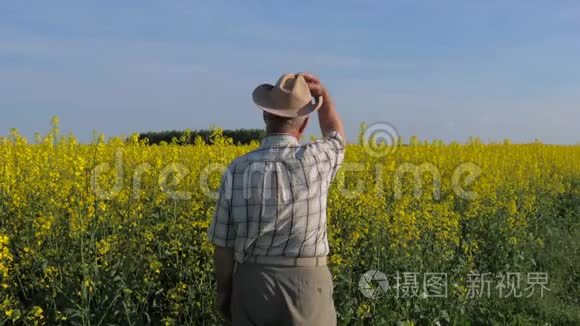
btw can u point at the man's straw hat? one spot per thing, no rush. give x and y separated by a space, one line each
289 98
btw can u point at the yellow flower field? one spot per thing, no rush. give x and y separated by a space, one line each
113 232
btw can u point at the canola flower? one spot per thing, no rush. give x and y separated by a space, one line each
127 244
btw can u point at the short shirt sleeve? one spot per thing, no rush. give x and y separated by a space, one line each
222 231
332 148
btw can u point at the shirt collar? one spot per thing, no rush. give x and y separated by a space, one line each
278 140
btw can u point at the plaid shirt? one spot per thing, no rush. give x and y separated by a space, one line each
272 201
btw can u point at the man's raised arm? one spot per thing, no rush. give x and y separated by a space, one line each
327 116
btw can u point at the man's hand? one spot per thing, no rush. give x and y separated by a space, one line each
224 267
316 87
224 300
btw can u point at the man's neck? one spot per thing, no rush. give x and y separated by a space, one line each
292 133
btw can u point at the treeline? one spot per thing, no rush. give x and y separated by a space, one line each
239 136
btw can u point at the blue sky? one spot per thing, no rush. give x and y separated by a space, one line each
436 69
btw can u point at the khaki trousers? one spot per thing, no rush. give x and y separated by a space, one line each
282 295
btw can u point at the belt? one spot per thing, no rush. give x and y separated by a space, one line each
287 261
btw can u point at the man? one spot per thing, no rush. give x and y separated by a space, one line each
269 227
